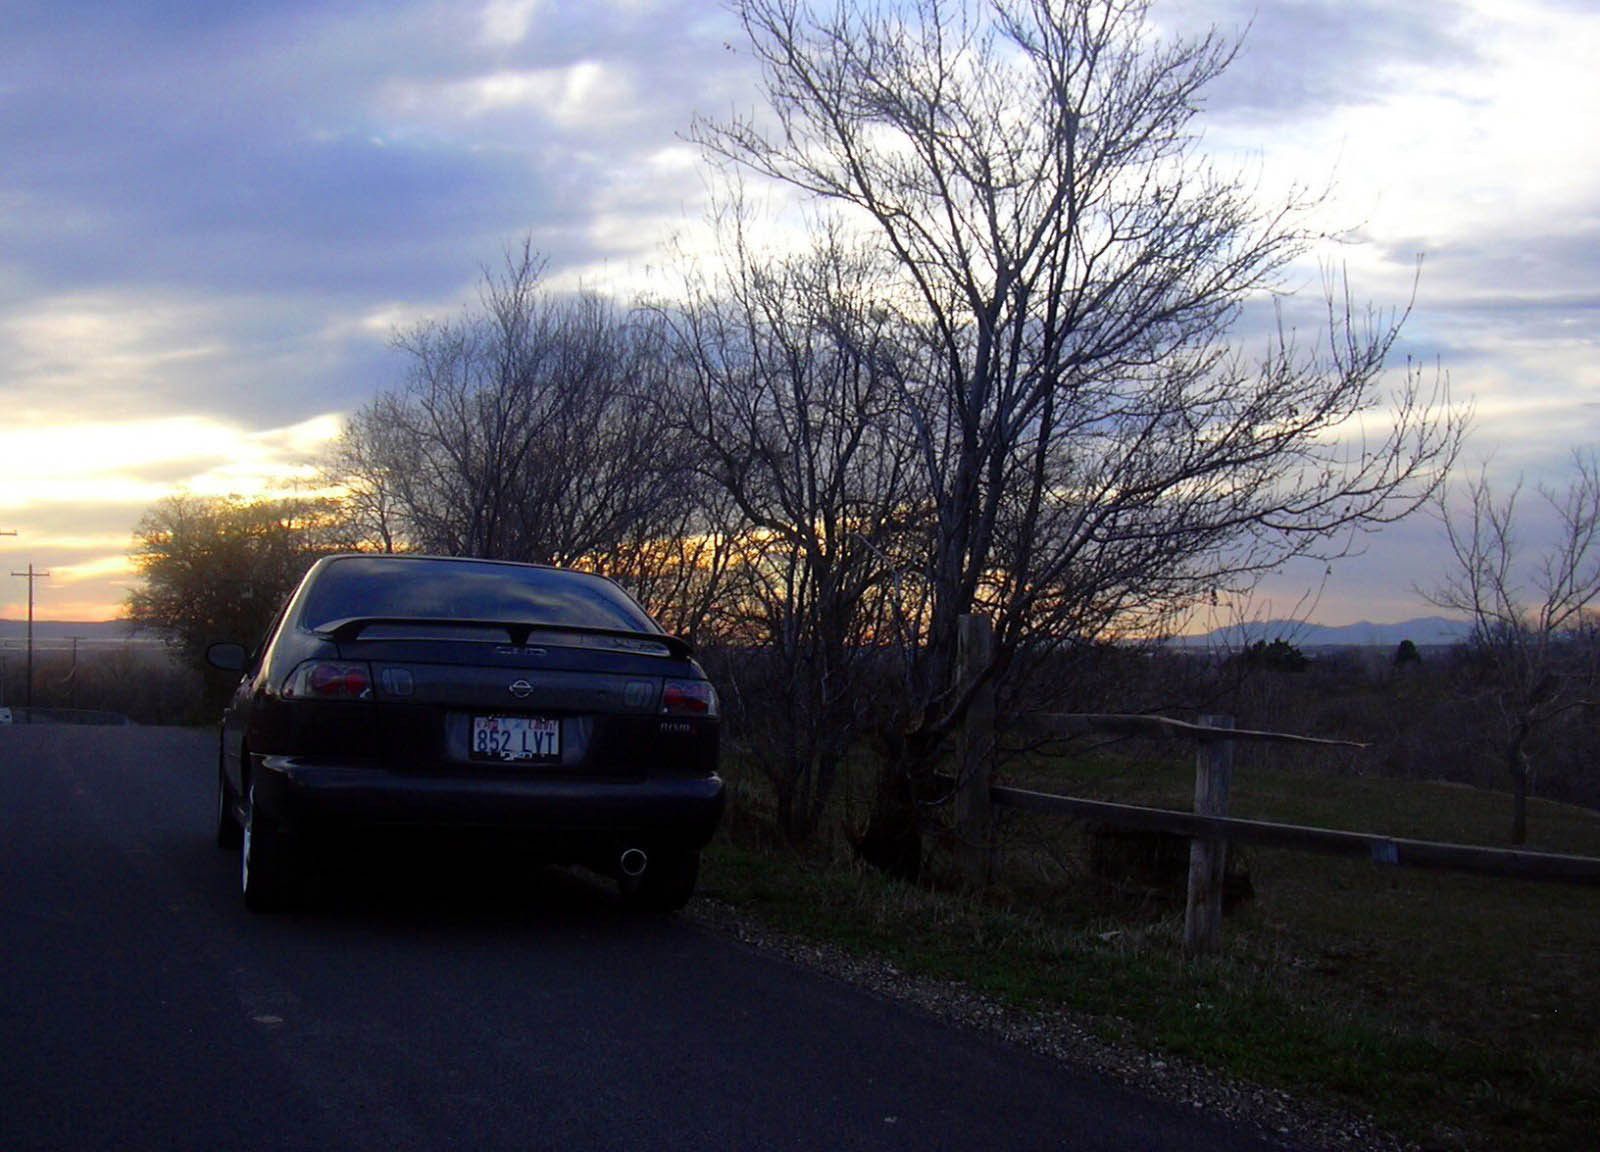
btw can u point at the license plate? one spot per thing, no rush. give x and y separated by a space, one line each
512 738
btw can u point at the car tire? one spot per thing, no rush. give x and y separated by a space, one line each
666 884
229 833
266 864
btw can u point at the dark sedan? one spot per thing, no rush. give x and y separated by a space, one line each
444 693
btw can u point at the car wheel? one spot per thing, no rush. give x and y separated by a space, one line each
666 884
229 834
266 866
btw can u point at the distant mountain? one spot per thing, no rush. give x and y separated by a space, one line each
1424 632
57 631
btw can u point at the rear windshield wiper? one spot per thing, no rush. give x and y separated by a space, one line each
518 631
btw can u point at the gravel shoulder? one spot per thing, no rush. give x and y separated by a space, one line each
1060 1035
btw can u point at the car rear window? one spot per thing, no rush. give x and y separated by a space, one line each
355 586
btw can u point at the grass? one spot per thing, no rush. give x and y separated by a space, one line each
1460 1011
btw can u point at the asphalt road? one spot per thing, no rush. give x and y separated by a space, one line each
420 1003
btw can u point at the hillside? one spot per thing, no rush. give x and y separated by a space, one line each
58 631
1425 632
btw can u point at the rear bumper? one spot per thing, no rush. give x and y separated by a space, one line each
311 796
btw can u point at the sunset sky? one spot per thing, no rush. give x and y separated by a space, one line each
213 216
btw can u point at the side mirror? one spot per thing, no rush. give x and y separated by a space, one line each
228 657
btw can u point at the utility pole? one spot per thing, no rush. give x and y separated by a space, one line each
4 532
32 575
72 676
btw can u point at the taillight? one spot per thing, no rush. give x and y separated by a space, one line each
329 680
688 698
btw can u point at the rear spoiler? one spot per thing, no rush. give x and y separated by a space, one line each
346 630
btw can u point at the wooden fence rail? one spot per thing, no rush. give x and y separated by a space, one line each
1209 827
1164 728
1392 851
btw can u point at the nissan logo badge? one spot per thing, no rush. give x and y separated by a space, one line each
521 689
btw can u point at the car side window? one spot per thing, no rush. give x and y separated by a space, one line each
259 652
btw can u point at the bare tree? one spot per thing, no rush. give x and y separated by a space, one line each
528 429
1533 626
788 391
681 564
1094 451
366 463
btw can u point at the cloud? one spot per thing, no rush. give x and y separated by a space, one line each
133 354
590 95
203 205
1378 581
133 463
64 350
507 22
98 569
1451 138
213 216
342 149
74 492
1301 58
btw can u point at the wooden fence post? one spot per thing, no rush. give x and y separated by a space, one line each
973 809
1208 857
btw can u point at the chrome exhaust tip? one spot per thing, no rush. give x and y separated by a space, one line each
633 862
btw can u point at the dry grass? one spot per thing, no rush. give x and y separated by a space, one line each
1460 1010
